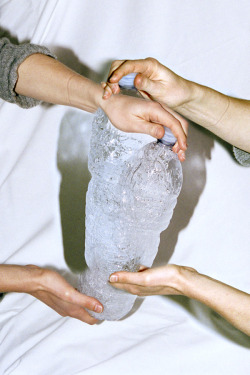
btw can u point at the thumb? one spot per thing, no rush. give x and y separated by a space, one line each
87 302
143 83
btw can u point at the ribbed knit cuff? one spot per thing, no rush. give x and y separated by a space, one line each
242 157
11 57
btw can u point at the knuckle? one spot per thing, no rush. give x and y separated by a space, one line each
140 294
152 61
175 124
68 295
147 280
132 64
178 123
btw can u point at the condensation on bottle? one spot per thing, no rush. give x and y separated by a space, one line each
130 201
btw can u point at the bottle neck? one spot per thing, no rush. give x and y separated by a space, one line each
165 143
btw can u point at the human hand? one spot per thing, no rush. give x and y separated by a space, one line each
53 290
142 116
165 280
153 81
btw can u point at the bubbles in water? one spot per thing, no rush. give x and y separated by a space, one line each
130 200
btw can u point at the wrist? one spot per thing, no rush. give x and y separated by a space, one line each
204 106
190 93
184 280
95 92
21 279
34 278
84 93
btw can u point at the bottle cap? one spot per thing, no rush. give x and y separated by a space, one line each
127 82
168 139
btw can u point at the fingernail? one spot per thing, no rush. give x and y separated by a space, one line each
105 94
98 308
113 278
182 156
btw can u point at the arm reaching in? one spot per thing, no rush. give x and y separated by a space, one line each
46 79
227 117
51 288
232 304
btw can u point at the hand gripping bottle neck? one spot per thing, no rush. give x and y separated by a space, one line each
127 82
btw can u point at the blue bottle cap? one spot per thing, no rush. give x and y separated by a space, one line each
168 139
127 82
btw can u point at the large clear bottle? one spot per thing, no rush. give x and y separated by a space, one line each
130 201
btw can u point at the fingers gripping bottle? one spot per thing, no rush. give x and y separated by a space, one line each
130 201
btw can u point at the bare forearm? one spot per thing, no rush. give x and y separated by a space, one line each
231 303
14 278
44 78
227 117
171 279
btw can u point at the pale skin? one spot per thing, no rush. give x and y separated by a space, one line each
231 303
49 287
227 117
44 78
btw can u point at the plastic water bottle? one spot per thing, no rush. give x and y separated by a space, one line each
130 201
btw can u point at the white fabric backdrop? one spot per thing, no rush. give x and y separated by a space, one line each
44 177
